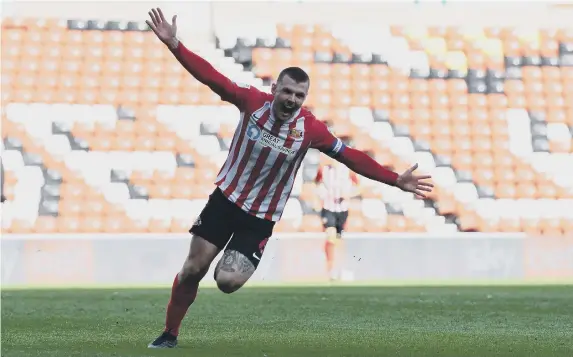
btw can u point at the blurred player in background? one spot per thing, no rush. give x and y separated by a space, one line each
336 186
272 137
2 178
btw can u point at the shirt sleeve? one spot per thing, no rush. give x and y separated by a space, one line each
356 160
324 141
205 73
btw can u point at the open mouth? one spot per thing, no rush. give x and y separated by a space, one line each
288 108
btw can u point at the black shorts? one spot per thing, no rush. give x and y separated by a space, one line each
221 219
334 219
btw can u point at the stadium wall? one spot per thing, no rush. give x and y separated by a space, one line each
147 260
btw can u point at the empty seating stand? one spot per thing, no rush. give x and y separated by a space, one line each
104 131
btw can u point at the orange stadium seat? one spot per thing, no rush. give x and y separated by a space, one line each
462 128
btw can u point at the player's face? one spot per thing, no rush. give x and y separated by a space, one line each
289 97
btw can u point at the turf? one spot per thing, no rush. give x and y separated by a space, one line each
296 322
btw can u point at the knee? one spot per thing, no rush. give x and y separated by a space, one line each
228 283
331 233
192 271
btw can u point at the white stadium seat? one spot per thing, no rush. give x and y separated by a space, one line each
402 146
293 210
57 145
466 192
137 209
12 160
361 117
116 192
419 61
207 145
373 208
382 131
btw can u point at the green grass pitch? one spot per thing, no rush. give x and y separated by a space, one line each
321 321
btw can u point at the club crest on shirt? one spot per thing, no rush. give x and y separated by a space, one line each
297 134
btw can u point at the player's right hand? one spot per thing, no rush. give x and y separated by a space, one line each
165 31
414 183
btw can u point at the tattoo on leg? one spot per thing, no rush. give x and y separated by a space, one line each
228 261
245 265
235 262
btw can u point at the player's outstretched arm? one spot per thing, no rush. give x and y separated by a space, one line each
199 68
361 163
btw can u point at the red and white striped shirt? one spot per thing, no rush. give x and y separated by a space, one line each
336 183
266 153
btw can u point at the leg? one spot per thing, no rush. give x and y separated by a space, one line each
186 283
341 218
243 254
329 222
330 249
210 235
233 271
184 289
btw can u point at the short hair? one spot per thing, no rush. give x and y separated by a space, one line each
296 73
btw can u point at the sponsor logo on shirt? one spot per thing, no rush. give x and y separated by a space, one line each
253 131
269 140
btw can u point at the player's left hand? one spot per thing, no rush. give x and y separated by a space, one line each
414 183
165 31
